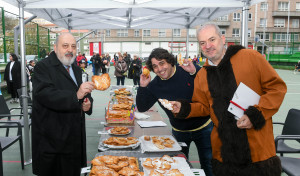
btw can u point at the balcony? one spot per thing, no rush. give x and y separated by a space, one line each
272 29
222 23
285 14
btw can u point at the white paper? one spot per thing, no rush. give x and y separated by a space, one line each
244 97
85 170
139 115
146 124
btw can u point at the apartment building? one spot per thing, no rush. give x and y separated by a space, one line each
273 24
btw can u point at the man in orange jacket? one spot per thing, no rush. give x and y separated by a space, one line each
242 147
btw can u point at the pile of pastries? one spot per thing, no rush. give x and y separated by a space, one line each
122 91
161 166
124 99
121 141
117 114
108 165
121 106
119 130
160 141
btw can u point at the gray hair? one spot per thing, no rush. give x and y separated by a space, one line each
218 31
58 37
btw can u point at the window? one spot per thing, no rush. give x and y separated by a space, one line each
250 17
264 6
297 6
176 33
261 36
161 33
107 33
85 41
223 18
295 23
122 33
236 17
223 31
279 22
136 33
192 32
249 32
282 37
146 32
86 47
52 42
283 6
52 36
235 32
263 22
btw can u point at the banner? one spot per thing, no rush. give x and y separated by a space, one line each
95 47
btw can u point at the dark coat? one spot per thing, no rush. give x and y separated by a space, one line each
58 123
136 70
16 75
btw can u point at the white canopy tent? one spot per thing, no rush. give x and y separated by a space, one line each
124 14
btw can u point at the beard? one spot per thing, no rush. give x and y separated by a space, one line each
65 59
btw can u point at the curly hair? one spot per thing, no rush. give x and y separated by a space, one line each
160 54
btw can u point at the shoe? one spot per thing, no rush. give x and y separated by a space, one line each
16 100
11 101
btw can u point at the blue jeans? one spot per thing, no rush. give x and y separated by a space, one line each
201 138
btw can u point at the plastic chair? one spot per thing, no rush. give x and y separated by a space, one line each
5 113
290 131
6 142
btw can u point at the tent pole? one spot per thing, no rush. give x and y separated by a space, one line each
24 85
17 31
187 35
245 24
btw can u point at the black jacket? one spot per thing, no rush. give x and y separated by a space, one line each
58 123
16 75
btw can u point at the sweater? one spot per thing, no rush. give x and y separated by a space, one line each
179 86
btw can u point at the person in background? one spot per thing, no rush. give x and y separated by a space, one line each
135 69
97 64
60 102
103 63
82 65
298 66
83 57
93 58
120 70
30 72
174 82
243 145
12 76
79 58
108 62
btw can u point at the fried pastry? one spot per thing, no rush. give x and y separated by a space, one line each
101 82
147 138
127 171
175 172
155 173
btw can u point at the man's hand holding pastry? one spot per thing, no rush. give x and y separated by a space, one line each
84 89
176 106
188 66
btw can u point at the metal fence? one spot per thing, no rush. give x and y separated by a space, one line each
37 38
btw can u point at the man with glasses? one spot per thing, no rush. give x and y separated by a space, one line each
60 102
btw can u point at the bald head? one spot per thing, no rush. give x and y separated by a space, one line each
65 48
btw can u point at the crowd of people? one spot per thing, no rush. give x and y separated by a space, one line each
200 97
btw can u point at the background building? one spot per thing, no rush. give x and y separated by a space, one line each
273 24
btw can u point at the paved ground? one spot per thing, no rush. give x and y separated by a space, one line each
11 156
